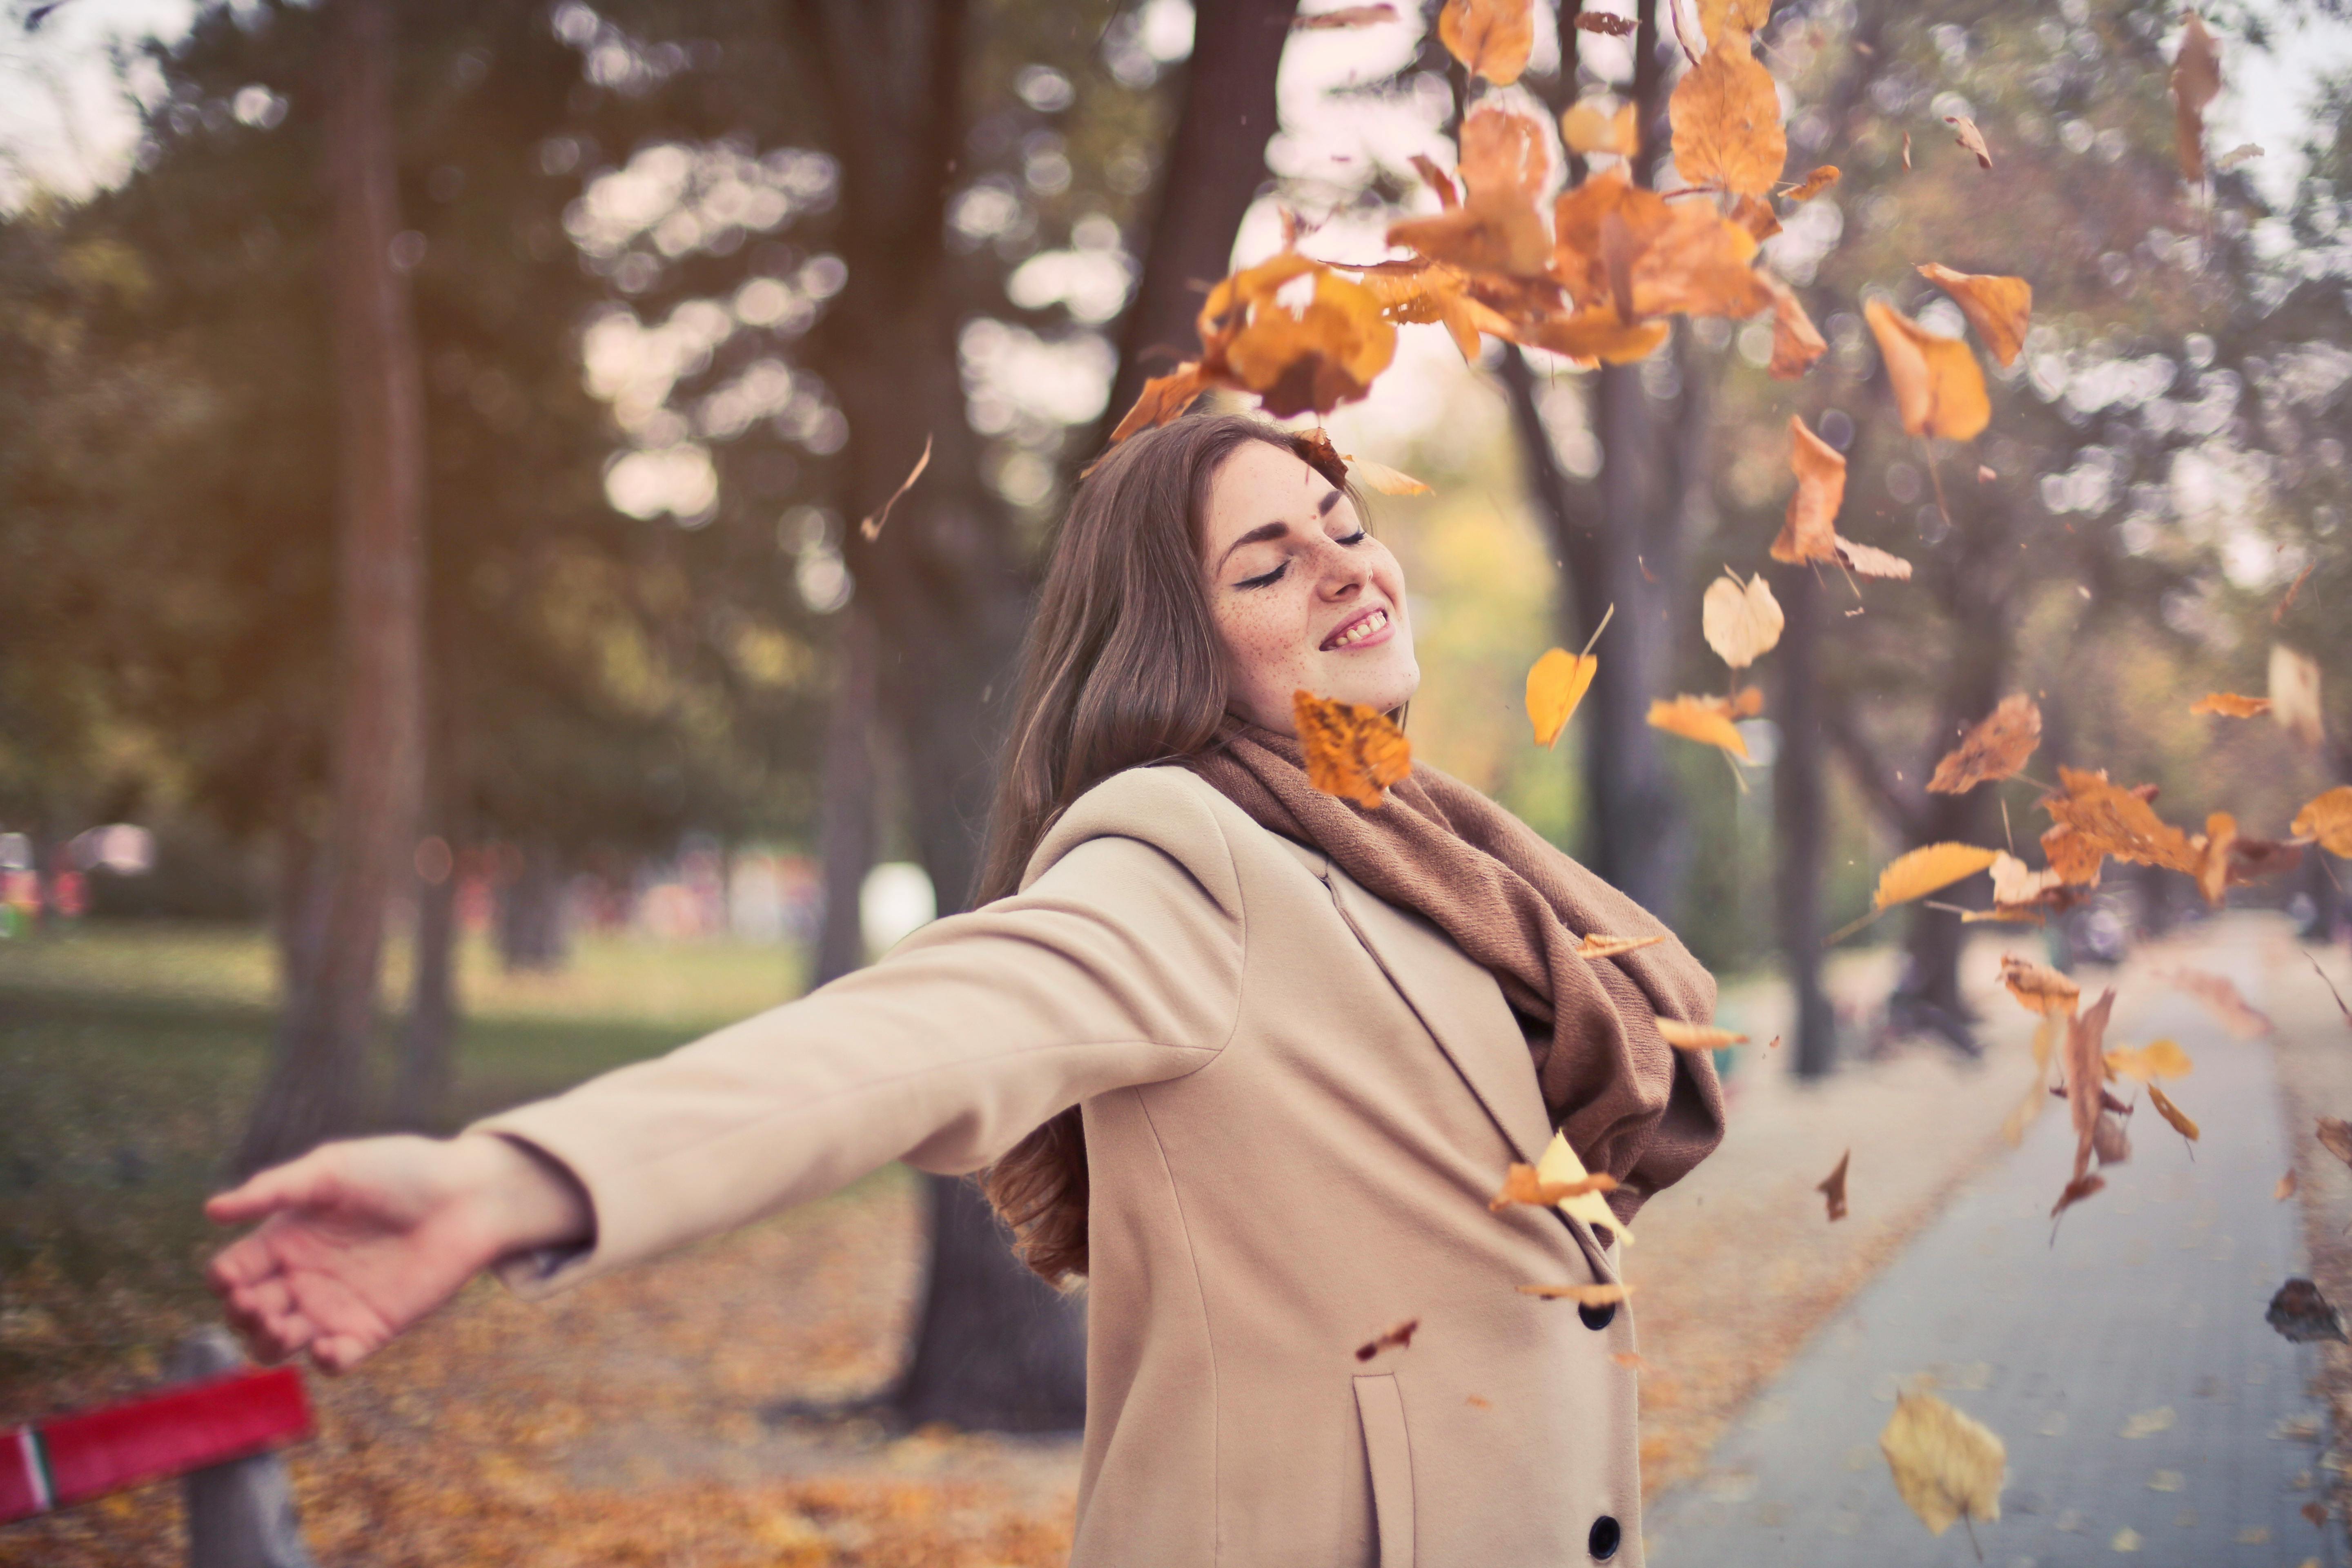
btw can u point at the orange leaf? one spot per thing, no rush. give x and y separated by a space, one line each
1755 215
1596 946
2213 851
1304 357
1999 308
1814 184
1490 37
2328 818
1521 1184
1718 19
1506 164
1796 341
1385 480
1921 871
1809 531
2117 821
1965 134
1726 114
1556 683
1164 397
2196 82
1597 337
1438 180
1352 751
1588 128
1696 265
1833 1187
1698 1037
1994 749
1701 719
1583 1295
2230 705
1938 388
2041 988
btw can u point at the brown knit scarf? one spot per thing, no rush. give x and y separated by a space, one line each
1630 1103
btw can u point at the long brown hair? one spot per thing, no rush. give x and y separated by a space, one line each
1122 667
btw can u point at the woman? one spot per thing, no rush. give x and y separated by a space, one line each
1249 1057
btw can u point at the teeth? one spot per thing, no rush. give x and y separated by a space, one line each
1362 629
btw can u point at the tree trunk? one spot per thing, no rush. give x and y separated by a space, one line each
989 1358
848 805
1215 167
531 928
317 1085
427 1067
1800 810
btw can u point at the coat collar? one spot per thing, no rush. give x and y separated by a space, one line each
1462 1006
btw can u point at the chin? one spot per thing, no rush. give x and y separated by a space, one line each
1383 690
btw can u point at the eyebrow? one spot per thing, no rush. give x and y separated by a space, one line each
1267 530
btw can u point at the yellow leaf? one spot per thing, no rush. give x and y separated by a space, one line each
1938 388
2230 705
1597 946
2172 1113
1352 751
1741 622
2041 988
1945 1466
2328 818
1522 1185
1698 1037
1560 1163
1555 684
1588 126
1490 37
1726 114
1999 308
2294 695
2145 1064
1925 869
1700 719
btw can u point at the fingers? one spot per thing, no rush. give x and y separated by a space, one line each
339 1353
246 1263
306 1181
268 1320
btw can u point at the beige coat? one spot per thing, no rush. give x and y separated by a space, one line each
1297 1099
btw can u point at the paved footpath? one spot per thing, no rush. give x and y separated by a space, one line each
2147 1407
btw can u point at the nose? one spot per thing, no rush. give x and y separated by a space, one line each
1343 572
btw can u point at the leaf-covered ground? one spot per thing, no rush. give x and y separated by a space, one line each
641 1418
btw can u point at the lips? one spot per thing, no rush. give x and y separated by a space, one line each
1360 628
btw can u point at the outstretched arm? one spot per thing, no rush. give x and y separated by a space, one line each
359 1239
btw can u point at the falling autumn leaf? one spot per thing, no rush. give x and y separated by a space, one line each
2041 988
1719 18
1701 719
1698 1037
2172 1113
2196 82
1832 1188
872 527
1945 1466
2300 1313
1606 1295
2243 153
1741 622
1813 184
1384 480
1589 126
2087 1185
2341 1005
2218 993
1397 1338
1438 180
2335 1135
1165 397
2110 820
1556 683
2285 1188
1938 387
1726 114
1999 308
2328 818
1560 1163
1965 131
1606 24
1597 946
2086 1073
1491 37
2294 695
1921 871
2158 1059
1996 748
1505 165
1796 341
1345 16
2023 892
2213 846
1810 531
2230 705
1521 1184
1352 751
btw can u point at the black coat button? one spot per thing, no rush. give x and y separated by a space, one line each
1602 1542
1598 1317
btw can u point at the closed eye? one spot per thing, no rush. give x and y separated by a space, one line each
1265 580
1356 538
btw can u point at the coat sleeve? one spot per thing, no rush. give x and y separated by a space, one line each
1119 964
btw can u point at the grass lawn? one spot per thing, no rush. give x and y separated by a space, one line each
131 1052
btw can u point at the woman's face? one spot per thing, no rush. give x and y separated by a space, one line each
1303 596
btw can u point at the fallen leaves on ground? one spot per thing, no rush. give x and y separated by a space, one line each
1832 1188
1352 751
1398 1337
1946 1465
2300 1313
1995 748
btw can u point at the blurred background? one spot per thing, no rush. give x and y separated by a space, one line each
439 659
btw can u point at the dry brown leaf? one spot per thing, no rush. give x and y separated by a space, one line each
1965 132
1522 1185
1490 37
1583 1295
1701 719
1345 16
1796 341
2196 82
1164 397
2335 1135
2285 1188
1999 308
1726 114
872 527
1921 871
2041 988
1832 1188
2111 820
2222 995
1597 946
1698 1037
1945 1466
1809 532
2145 1064
1741 622
1396 1338
1606 24
1556 683
2072 856
1995 748
1587 126
1813 184
2076 1191
1353 752
1449 196
2172 1114
2087 1076
2230 705
1697 263
1938 387
2294 695
2328 818
1755 215
2301 1312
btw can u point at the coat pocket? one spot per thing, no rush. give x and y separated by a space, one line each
1381 1407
